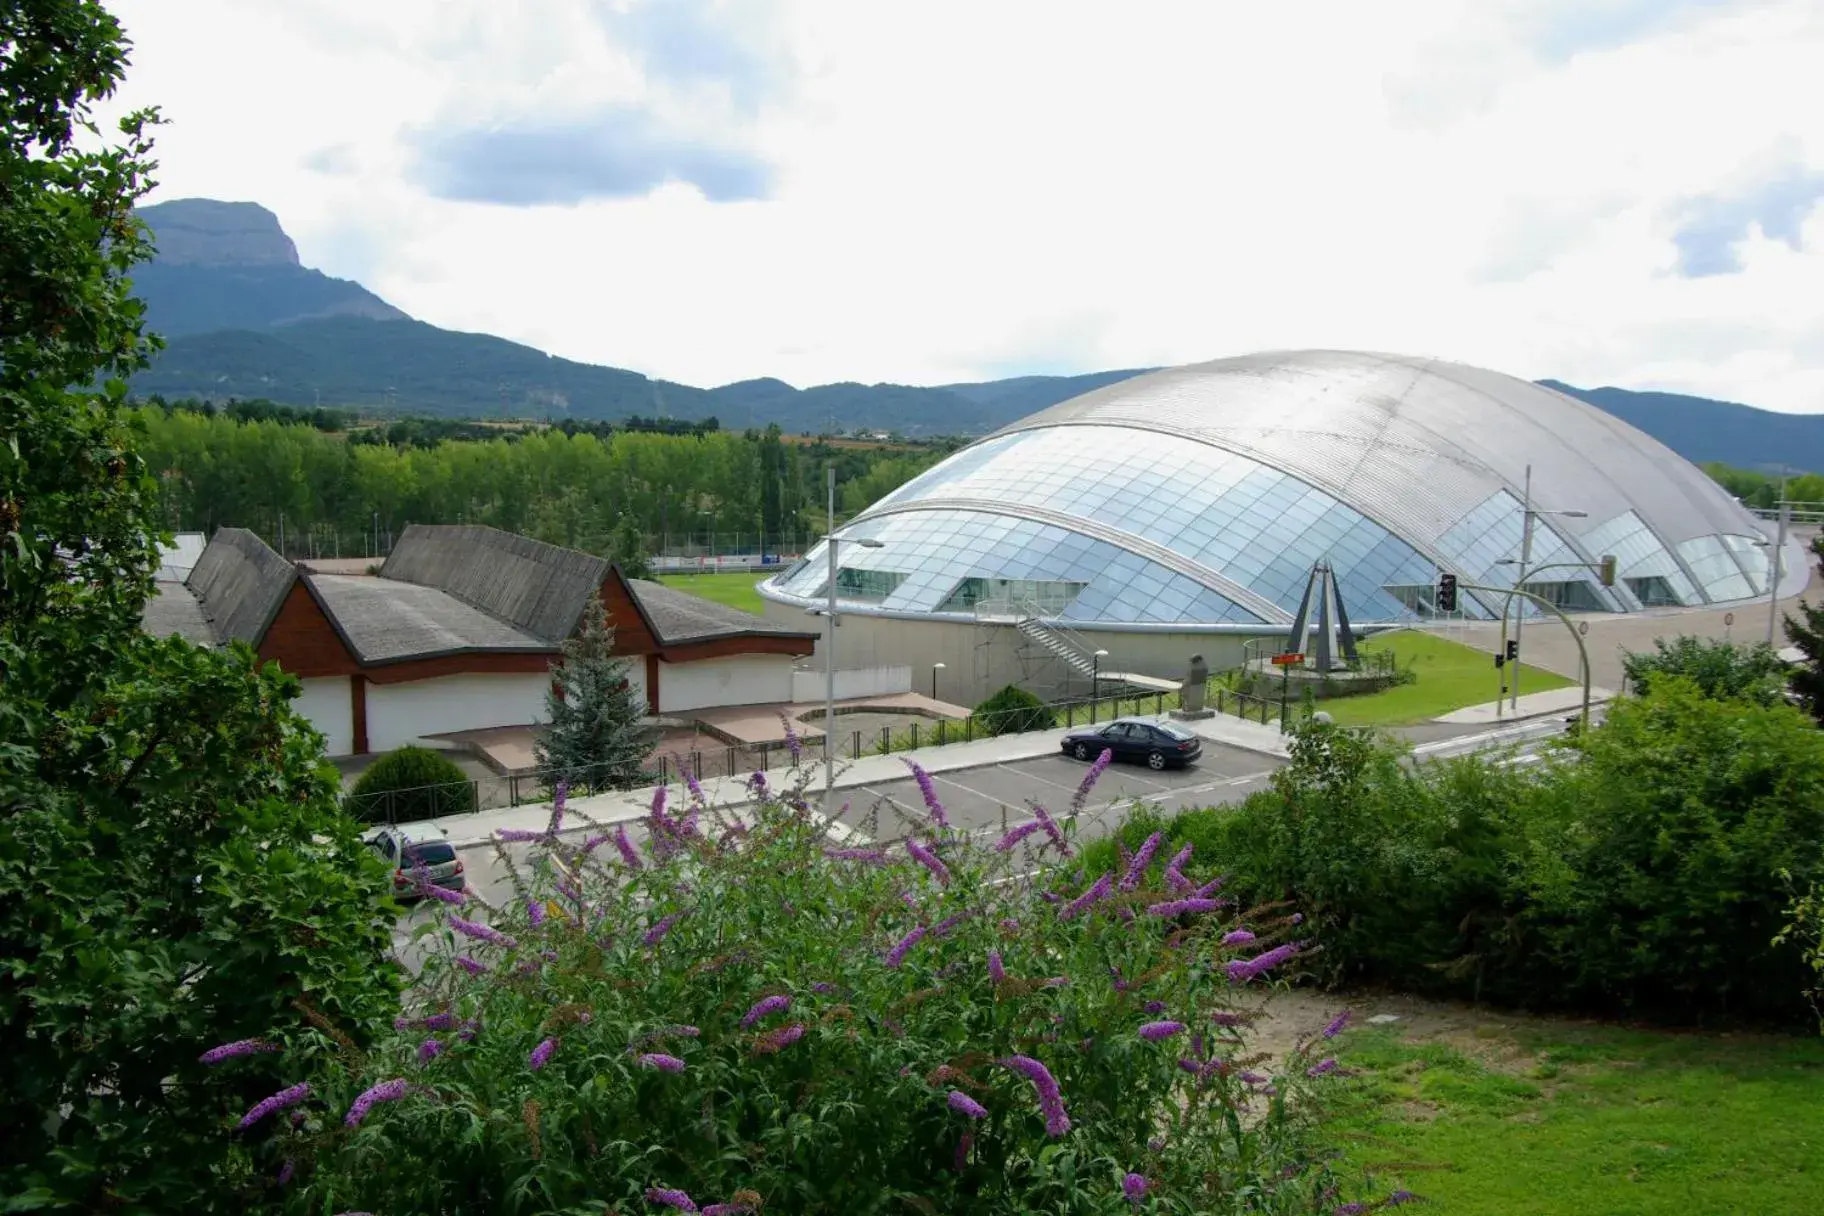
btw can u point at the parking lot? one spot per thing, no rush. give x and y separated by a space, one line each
987 799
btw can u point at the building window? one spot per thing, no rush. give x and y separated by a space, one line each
1046 597
869 585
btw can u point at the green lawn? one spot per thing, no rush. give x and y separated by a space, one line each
1575 1120
1450 676
736 589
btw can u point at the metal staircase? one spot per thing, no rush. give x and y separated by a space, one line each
1062 643
1042 642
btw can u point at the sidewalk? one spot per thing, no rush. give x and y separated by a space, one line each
623 806
1531 705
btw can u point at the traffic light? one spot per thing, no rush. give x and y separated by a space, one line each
1447 593
1513 650
1606 570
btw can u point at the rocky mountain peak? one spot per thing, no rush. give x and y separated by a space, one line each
209 232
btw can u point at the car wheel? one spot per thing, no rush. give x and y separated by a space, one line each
1155 760
1082 751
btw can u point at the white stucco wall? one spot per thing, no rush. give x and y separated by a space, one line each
398 714
749 679
329 704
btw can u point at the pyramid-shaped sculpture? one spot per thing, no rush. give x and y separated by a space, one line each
1333 648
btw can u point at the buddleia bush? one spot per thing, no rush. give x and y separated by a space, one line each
705 1012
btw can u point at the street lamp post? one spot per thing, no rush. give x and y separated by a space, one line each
1529 513
935 668
829 672
1779 554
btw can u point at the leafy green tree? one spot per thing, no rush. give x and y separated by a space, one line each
1806 632
1750 671
174 871
628 548
1012 710
596 738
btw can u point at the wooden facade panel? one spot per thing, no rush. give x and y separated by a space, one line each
721 648
458 665
631 634
303 642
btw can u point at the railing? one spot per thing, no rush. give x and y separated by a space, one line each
704 763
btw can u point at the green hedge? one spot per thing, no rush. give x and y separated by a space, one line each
409 784
1013 710
1639 873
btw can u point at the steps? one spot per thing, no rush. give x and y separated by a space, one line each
1054 641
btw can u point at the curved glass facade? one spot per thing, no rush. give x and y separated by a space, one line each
1205 495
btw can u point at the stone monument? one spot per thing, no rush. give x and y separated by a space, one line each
1191 692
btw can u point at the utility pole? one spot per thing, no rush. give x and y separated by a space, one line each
1526 556
1779 554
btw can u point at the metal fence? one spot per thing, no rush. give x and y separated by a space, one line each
672 764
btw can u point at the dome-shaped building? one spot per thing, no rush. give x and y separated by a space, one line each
1196 500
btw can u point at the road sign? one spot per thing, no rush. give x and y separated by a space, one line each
1287 660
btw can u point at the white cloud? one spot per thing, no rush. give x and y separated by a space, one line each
960 190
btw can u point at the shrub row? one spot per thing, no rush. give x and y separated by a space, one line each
1642 870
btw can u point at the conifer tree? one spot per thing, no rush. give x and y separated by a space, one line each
1807 633
597 738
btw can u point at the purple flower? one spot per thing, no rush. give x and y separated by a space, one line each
517 835
897 954
765 1007
482 933
1153 1007
661 1061
963 1104
467 1033
794 746
441 1021
785 1036
1228 1019
592 843
541 1055
757 782
821 986
1237 937
691 784
429 1050
1051 829
1009 925
1015 835
1089 781
1174 869
535 912
279 1101
944 926
285 1172
670 1199
1134 1187
470 965
1208 888
657 933
442 895
729 1209
996 971
234 1050
1045 1088
386 1091
1243 970
1136 869
658 807
625 848
1338 1024
876 857
1251 1078
1183 907
1350 1209
929 790
1321 1068
962 1151
1098 891
926 858
1401 1197
1298 918
560 794
1156 1032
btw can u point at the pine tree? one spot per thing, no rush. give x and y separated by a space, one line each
595 739
1807 633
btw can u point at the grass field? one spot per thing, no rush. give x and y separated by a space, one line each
1577 1120
1450 676
736 588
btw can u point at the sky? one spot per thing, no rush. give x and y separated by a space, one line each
1625 192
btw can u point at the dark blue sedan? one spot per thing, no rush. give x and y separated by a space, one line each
1158 744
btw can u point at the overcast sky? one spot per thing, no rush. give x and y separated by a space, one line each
1606 191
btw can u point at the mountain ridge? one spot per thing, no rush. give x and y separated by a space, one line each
244 318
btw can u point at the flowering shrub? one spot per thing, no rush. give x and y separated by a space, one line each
734 1016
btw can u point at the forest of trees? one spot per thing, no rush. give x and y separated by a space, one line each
331 492
1757 489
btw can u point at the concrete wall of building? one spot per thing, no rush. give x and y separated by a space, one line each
328 703
811 683
979 659
753 679
398 714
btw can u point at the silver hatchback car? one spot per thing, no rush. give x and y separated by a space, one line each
417 857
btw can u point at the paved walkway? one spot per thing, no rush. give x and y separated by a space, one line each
1529 705
750 725
621 807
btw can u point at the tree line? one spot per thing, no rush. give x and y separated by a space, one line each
330 492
